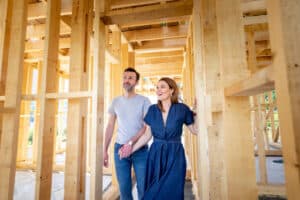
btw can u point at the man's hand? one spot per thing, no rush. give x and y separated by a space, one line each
125 151
105 159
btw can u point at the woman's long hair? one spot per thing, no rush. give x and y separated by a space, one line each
172 85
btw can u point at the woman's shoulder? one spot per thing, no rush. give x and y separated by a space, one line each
182 106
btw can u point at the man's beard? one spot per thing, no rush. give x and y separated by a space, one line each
128 88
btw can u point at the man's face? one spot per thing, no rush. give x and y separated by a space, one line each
129 81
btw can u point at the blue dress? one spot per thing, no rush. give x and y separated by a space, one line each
166 163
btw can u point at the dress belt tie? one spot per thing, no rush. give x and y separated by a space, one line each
172 140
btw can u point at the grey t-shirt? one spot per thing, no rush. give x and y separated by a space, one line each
130 114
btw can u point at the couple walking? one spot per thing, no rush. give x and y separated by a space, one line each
160 172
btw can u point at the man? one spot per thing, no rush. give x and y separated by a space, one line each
129 111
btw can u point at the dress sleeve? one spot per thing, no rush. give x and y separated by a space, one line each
148 116
189 116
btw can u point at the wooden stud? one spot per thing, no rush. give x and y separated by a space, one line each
37 114
77 108
98 104
199 73
116 45
131 59
214 90
49 83
260 140
238 148
252 63
124 56
273 105
13 89
5 20
283 17
24 110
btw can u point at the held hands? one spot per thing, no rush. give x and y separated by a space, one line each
125 151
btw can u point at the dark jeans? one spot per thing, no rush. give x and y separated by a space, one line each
123 170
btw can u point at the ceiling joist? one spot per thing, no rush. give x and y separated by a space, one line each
136 15
167 44
163 32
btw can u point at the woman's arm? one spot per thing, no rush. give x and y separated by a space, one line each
193 128
144 139
126 149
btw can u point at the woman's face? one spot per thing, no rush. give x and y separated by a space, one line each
163 91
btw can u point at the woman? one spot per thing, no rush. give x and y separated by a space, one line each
166 163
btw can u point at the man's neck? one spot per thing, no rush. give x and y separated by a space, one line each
129 94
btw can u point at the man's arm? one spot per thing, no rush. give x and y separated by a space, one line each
144 139
108 135
138 135
126 149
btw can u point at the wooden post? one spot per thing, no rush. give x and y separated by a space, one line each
24 111
131 59
272 104
37 114
213 89
116 90
77 110
116 43
13 89
260 139
252 63
49 83
97 104
283 17
124 56
5 20
238 145
199 73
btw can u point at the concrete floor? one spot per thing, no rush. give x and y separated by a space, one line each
25 185
25 181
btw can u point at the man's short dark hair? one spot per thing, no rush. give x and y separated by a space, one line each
130 69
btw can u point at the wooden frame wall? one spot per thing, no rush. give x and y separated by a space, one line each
284 26
212 36
13 89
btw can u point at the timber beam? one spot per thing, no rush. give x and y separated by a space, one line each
257 83
157 33
148 13
169 44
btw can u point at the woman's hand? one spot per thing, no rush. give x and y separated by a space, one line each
125 151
